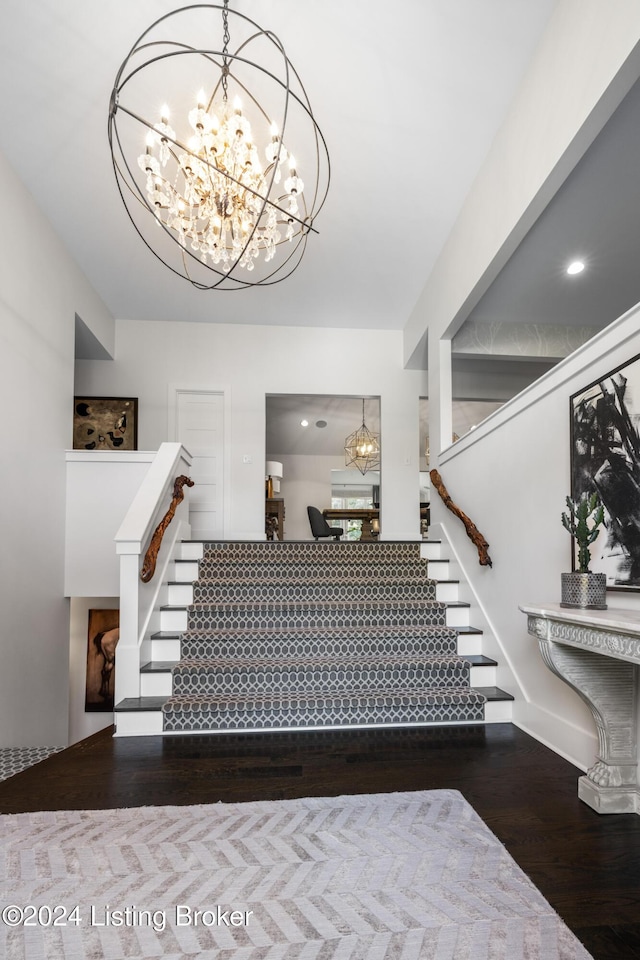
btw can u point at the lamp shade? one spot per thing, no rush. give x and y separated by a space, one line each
274 470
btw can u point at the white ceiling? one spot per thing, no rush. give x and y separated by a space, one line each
408 95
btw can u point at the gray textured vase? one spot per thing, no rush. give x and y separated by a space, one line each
585 590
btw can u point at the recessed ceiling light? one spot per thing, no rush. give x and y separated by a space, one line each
576 267
304 423
321 423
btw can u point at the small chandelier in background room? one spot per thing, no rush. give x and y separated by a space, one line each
224 187
362 448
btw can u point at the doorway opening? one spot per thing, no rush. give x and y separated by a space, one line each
305 436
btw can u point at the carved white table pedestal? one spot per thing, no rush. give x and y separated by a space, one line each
597 653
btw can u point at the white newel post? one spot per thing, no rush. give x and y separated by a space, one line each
139 600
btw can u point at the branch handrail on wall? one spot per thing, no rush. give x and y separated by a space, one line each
139 600
472 531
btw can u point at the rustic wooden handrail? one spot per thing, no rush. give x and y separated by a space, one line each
472 531
151 556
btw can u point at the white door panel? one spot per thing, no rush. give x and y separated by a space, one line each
200 428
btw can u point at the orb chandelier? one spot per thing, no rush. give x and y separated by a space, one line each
224 187
362 448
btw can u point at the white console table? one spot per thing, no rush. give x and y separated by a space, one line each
597 653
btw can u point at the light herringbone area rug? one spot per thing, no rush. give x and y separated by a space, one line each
396 876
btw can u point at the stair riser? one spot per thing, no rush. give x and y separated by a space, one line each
430 550
180 594
173 621
310 572
303 618
457 616
130 724
191 550
163 650
309 681
155 684
312 552
446 592
185 571
306 645
309 717
160 684
139 723
176 620
440 570
483 677
498 711
307 593
469 644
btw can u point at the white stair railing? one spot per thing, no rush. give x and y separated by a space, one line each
139 600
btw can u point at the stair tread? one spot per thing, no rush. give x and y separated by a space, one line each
494 693
479 660
140 704
158 666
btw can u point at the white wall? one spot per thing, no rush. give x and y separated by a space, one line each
247 363
589 58
511 476
41 290
307 480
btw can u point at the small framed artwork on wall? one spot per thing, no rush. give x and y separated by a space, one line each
102 639
605 458
105 423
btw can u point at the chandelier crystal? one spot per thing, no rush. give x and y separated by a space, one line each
219 182
362 448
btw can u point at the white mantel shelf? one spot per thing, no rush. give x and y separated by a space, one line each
597 653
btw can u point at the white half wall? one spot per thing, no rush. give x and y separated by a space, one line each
41 291
511 476
100 488
247 363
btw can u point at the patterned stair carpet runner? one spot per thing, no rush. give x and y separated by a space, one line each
300 635
416 876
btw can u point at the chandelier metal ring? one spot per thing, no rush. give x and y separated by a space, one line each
207 205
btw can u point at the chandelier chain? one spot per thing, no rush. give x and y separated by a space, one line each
226 36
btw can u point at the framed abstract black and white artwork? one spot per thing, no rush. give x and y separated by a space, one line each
605 457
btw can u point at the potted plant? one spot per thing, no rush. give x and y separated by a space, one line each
583 588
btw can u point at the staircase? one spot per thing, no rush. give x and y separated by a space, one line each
304 635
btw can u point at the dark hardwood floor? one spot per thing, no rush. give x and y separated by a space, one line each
585 864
